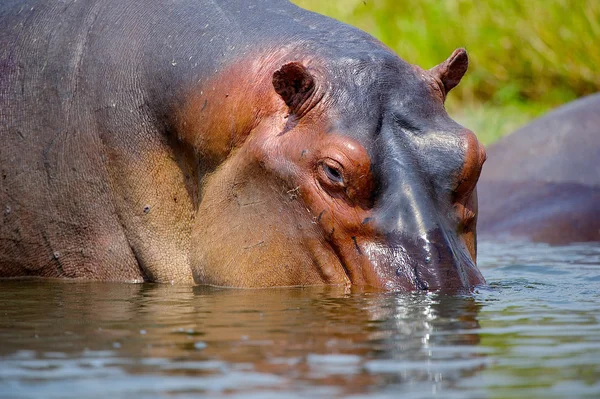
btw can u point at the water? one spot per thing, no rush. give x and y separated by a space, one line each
534 332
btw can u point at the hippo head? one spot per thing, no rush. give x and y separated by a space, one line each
341 172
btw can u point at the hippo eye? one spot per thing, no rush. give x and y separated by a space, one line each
331 172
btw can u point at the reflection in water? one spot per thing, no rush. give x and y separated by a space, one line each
532 333
228 341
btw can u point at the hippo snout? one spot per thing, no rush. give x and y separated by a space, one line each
439 262
430 262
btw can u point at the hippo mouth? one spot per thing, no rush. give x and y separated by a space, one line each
399 263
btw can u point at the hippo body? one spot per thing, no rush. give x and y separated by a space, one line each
542 182
232 143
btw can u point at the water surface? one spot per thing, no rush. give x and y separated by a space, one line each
533 332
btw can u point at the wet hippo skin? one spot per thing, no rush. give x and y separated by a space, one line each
543 182
232 143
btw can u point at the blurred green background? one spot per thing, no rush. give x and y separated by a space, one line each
526 56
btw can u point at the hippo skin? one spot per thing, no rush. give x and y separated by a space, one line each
230 143
542 183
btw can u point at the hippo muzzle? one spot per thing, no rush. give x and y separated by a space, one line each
414 243
421 244
429 262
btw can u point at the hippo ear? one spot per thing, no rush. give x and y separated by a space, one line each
451 71
294 84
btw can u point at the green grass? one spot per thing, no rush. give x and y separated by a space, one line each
491 122
526 56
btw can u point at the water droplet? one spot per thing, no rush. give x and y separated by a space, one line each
200 345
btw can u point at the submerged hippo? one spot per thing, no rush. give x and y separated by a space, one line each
231 143
543 182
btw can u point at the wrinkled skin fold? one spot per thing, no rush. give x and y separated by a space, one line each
229 143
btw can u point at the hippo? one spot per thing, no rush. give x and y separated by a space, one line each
229 143
542 183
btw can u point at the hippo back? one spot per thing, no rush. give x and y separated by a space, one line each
543 181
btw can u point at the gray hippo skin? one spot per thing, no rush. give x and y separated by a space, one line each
542 183
232 143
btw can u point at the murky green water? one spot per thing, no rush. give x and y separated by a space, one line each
534 332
